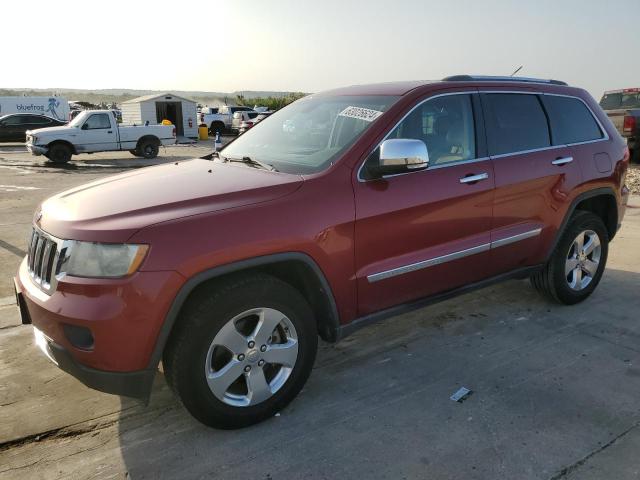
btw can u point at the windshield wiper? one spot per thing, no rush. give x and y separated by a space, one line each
253 162
211 156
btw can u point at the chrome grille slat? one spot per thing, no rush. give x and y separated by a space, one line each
46 258
42 259
38 258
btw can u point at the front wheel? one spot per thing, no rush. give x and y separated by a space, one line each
242 351
59 153
578 261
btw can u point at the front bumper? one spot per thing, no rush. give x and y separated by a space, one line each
130 384
36 149
124 317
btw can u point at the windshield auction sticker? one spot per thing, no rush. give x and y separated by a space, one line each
360 113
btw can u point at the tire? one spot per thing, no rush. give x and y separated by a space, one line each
135 153
635 155
569 277
216 127
226 314
148 149
59 153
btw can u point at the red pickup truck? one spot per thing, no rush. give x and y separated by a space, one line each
343 208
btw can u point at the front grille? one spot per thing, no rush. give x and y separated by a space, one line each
42 259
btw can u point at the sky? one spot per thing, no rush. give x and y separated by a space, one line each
309 46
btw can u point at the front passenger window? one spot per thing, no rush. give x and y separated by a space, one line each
445 124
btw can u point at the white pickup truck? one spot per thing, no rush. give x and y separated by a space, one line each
98 131
220 119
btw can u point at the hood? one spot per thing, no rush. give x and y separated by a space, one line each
40 132
114 208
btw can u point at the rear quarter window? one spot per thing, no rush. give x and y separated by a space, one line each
571 121
515 122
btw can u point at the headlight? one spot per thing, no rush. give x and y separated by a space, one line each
88 259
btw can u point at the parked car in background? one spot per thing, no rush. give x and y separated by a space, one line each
98 131
247 124
220 119
623 108
375 200
242 117
13 128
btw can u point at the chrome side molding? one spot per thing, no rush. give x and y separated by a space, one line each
394 272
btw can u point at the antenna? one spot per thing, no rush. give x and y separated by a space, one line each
516 70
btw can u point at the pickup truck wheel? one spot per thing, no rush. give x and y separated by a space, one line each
577 264
216 127
241 351
59 153
135 153
149 149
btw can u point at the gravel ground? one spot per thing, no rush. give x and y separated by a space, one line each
633 179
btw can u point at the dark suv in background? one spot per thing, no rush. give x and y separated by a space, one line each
13 127
338 210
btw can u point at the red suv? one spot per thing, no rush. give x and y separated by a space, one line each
344 207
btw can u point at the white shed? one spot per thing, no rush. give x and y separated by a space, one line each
157 107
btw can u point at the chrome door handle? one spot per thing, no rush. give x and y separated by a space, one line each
562 160
474 178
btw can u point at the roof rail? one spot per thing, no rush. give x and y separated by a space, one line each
488 78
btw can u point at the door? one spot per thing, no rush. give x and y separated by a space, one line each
534 175
13 128
98 134
171 111
426 232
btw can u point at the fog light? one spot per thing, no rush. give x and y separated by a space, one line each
79 337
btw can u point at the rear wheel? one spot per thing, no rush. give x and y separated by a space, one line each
135 153
216 127
59 153
577 264
242 351
148 149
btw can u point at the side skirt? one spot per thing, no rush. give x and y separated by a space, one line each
346 330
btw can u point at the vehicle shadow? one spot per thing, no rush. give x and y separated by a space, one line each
377 404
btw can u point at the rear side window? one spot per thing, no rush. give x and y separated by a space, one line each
571 121
515 123
34 119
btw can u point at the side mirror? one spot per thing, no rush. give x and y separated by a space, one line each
400 156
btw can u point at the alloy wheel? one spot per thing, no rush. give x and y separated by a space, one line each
251 357
583 260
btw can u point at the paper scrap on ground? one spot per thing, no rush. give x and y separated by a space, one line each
461 395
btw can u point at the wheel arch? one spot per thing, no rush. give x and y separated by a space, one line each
219 123
296 268
63 142
601 201
146 138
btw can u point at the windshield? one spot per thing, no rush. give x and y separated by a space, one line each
76 122
307 135
614 101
